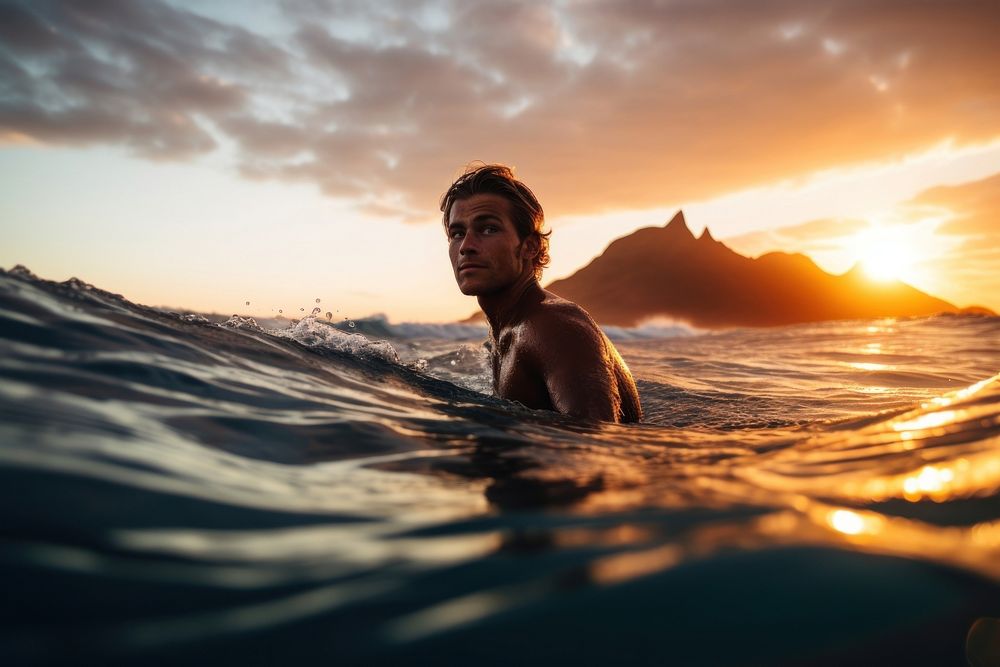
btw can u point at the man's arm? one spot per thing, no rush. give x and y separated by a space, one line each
576 365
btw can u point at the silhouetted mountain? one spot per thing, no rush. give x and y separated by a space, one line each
666 271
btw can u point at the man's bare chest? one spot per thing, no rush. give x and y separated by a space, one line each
516 376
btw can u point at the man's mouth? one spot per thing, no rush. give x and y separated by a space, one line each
463 267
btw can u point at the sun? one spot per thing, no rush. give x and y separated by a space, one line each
885 253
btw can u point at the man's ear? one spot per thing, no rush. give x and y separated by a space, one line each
530 247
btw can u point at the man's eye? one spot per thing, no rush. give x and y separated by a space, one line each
491 229
457 234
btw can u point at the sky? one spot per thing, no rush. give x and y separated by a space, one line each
205 155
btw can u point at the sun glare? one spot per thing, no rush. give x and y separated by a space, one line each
885 253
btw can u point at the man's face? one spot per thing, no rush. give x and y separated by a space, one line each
486 253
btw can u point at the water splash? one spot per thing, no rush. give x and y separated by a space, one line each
313 333
240 322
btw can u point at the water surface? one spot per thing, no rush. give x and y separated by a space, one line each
176 490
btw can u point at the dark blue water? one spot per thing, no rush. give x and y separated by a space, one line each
179 491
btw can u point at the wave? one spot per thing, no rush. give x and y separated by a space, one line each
379 325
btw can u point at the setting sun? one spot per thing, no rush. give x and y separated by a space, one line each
885 253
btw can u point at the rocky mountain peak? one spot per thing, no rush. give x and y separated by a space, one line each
678 226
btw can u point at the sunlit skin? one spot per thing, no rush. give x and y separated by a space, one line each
547 352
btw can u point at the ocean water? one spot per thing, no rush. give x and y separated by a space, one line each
175 490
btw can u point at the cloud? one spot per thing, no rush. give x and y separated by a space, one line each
810 237
974 208
21 31
142 75
829 228
972 213
600 106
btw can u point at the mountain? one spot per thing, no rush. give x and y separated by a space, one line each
666 271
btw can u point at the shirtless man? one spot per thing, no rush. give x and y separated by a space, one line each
547 352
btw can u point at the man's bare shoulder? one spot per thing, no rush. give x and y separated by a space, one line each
554 320
583 372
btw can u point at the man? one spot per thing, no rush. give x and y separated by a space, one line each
547 353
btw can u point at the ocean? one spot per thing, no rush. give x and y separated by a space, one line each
175 490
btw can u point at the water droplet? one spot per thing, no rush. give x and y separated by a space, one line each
248 303
350 324
317 300
280 310
302 310
329 315
316 311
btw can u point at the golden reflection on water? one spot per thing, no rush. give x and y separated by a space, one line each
930 481
973 547
813 522
615 536
965 477
817 489
955 396
884 327
870 389
867 366
630 565
854 523
947 449
927 421
986 535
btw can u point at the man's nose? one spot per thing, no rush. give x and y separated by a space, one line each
468 245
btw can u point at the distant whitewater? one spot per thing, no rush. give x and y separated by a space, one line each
181 491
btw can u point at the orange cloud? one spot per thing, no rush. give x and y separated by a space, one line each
809 237
974 207
974 216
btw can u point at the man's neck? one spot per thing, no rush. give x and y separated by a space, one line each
503 308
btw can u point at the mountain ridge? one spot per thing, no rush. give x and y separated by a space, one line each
667 272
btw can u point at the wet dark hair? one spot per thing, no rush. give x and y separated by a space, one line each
497 179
